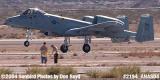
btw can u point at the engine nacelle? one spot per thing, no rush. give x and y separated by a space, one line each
88 18
101 18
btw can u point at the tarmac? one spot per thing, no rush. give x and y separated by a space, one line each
97 59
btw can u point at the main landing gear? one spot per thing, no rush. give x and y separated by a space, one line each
86 47
28 37
65 45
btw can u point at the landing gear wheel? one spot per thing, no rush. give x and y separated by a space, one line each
86 48
26 43
64 48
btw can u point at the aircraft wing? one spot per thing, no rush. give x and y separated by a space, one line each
111 26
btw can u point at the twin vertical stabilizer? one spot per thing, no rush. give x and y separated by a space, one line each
145 31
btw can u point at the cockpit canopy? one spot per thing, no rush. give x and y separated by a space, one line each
33 11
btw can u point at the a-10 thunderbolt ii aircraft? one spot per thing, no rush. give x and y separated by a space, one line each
114 28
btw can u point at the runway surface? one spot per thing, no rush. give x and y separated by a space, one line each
40 41
73 41
103 56
56 39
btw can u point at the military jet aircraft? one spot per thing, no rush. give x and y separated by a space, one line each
99 25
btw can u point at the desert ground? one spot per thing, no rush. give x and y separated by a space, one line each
103 56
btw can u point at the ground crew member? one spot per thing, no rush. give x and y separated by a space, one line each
55 53
56 57
54 49
44 53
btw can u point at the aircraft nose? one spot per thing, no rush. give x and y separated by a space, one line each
7 21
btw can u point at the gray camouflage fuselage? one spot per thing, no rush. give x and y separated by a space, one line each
34 18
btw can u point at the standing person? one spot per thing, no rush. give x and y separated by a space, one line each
44 52
56 57
55 53
54 49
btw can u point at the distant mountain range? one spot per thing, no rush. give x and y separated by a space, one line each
12 7
79 4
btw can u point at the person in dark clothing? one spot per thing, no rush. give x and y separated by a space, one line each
55 53
56 57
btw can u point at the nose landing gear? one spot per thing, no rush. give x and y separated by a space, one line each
26 43
28 37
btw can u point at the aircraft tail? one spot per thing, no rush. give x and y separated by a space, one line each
125 20
145 31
